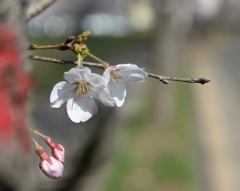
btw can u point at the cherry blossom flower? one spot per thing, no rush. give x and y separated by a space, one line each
117 75
78 91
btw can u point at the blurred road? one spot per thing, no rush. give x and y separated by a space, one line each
217 109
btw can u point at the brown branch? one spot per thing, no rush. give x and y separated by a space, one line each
164 79
37 7
57 46
63 62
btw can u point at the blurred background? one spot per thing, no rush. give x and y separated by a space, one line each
175 137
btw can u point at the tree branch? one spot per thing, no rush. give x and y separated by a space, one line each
68 45
163 79
37 7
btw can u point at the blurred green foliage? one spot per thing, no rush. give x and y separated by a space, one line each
157 158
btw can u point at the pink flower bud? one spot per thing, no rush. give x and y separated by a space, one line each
52 168
58 150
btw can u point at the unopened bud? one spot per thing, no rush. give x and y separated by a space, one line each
58 150
82 37
80 49
52 168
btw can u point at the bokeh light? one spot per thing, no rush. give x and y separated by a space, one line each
54 26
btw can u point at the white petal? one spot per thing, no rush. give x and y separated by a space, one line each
95 79
131 73
106 74
54 95
61 93
134 76
80 109
76 74
102 94
98 89
118 92
130 66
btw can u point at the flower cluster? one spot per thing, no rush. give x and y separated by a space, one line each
51 166
82 87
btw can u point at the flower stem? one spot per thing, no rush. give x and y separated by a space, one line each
80 60
36 143
33 130
40 134
105 64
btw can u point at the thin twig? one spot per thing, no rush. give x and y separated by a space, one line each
37 7
164 79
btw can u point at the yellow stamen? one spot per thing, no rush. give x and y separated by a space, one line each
115 76
83 89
